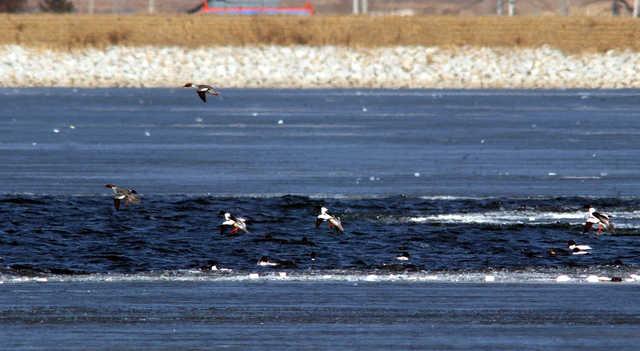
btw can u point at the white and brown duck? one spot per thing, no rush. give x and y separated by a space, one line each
120 195
235 224
333 222
203 90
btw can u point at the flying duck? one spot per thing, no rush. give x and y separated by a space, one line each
203 90
234 223
333 222
129 196
602 220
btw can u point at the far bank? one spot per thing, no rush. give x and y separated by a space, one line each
568 34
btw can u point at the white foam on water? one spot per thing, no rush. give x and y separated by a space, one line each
454 198
341 276
622 219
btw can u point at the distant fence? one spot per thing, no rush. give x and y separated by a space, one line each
493 7
369 7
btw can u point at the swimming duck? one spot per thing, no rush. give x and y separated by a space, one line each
234 223
404 256
578 249
333 222
593 217
203 90
264 261
129 196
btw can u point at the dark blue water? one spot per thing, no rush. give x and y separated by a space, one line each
475 185
84 235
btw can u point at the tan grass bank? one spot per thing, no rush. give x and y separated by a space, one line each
569 34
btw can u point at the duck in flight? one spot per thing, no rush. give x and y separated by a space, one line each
235 224
333 222
129 196
203 90
593 217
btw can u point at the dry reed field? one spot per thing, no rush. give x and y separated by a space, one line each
570 34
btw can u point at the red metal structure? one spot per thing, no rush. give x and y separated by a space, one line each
306 10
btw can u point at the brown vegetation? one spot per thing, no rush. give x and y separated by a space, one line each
570 34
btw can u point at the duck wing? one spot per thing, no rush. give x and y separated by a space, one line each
337 224
202 95
241 224
132 197
602 217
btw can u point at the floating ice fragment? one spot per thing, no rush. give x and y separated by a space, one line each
255 114
282 274
34 144
147 133
416 174
254 276
56 130
592 279
489 278
563 278
198 119
604 174
594 155
482 141
551 174
280 121
364 109
71 126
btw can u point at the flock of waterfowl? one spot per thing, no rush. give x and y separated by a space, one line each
234 225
